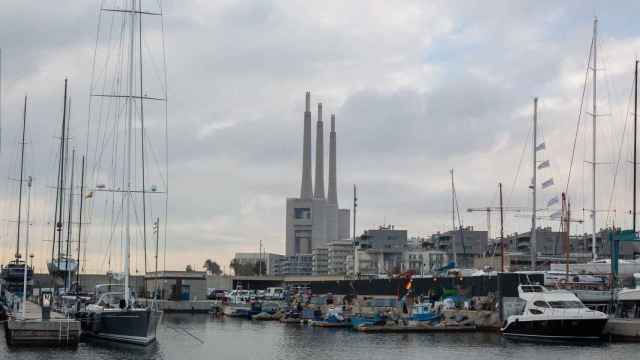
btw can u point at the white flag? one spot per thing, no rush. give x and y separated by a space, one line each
547 183
554 200
556 215
542 146
544 164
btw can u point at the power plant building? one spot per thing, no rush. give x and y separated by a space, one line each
313 220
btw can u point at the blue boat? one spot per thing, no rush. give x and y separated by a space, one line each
360 320
423 312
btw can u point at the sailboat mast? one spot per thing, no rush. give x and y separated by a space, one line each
67 280
453 221
501 230
142 134
534 186
593 155
129 153
635 140
57 228
24 125
80 220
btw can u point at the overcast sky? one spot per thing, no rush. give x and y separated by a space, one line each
418 88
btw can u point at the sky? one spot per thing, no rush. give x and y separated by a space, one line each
418 88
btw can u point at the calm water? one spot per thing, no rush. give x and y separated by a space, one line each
242 339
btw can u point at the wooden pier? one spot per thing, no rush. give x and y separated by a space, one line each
34 331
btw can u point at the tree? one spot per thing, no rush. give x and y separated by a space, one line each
242 269
188 268
212 267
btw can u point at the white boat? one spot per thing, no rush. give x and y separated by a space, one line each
556 315
625 324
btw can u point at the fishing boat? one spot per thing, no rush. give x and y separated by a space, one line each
553 316
424 312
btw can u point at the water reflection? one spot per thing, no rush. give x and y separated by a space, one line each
201 337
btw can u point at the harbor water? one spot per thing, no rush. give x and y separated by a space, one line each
186 336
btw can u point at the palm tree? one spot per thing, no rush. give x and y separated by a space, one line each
212 267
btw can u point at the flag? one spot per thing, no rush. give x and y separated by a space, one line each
544 164
554 200
556 215
547 183
542 146
89 195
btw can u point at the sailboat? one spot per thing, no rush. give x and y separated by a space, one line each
116 315
13 274
62 265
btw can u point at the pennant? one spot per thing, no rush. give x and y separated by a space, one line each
554 200
544 164
547 183
542 146
556 215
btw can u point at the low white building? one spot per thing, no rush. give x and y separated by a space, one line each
337 253
320 261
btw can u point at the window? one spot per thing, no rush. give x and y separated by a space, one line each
541 304
302 213
566 304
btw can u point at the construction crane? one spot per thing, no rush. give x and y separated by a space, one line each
490 209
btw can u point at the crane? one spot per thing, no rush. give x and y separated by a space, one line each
490 209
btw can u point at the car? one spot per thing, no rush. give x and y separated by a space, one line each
217 294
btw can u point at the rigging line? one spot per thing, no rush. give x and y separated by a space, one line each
515 179
615 175
584 89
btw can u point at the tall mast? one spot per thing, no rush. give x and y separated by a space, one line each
57 229
532 244
635 138
453 221
67 280
593 155
26 251
80 220
128 154
24 125
501 230
144 201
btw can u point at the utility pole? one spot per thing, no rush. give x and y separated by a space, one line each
355 206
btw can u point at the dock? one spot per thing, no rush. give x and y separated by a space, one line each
34 331
399 328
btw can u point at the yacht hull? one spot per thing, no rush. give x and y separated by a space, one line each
563 330
129 326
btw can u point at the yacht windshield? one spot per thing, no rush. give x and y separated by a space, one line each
566 304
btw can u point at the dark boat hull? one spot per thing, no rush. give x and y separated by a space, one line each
556 330
130 326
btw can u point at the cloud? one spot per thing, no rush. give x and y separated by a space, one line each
418 88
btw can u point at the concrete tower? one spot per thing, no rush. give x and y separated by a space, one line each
332 196
319 188
306 191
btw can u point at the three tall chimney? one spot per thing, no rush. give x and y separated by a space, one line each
332 196
306 191
319 188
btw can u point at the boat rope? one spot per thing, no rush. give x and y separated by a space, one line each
187 332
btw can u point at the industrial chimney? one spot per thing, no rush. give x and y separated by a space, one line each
306 191
332 196
319 188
